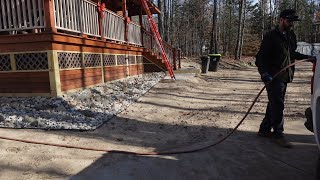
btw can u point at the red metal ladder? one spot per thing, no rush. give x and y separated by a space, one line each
158 38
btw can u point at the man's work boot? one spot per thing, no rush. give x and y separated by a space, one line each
283 142
267 134
309 124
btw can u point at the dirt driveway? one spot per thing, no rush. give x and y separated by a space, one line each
192 111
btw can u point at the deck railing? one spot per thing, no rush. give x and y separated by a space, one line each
21 15
79 16
90 19
113 26
147 39
150 43
169 51
134 34
67 15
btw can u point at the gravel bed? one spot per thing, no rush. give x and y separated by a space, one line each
81 110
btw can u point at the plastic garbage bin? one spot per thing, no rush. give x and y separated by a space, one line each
205 64
214 62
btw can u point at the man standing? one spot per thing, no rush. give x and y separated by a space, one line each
277 50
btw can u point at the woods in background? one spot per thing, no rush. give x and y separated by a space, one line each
236 27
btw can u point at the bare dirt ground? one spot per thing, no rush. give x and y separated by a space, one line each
192 111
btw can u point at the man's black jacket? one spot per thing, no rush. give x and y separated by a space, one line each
278 50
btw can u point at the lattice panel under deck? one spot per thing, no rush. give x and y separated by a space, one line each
132 60
121 60
109 60
5 64
32 61
69 60
92 60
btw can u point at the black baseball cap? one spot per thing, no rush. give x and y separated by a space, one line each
289 14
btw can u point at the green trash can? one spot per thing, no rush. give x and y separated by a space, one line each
205 64
214 62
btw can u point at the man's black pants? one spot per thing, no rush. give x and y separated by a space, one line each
274 113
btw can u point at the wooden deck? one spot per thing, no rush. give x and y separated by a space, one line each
58 53
47 48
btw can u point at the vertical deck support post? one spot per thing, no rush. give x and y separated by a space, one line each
13 62
49 16
54 74
102 67
125 15
141 24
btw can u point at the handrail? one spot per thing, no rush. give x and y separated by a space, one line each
115 14
150 44
167 45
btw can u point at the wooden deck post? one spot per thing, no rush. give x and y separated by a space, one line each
127 65
13 62
102 67
100 17
141 24
49 16
54 74
125 15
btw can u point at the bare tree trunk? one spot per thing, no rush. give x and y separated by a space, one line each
271 13
169 6
165 20
160 18
214 37
224 38
171 23
275 10
216 31
224 32
263 17
219 26
242 28
229 26
238 43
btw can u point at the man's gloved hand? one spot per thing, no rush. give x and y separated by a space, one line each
266 77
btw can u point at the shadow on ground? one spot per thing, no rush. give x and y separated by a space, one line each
243 156
183 116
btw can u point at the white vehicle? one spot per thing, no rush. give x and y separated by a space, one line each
315 103
313 113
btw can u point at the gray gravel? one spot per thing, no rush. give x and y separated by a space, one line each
82 110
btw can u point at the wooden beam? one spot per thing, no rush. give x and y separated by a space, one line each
125 15
49 16
102 71
24 94
13 62
141 24
54 74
